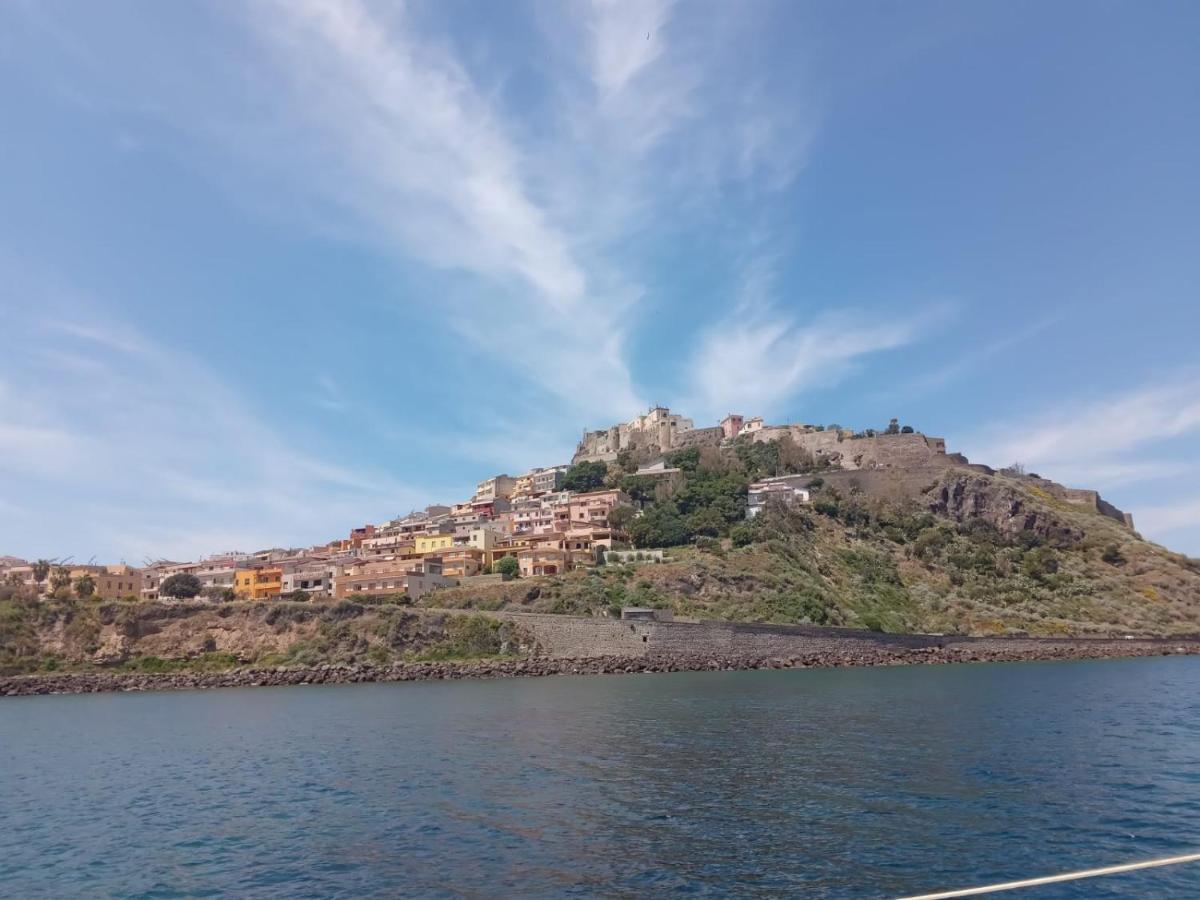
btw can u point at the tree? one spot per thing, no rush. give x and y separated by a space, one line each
619 517
893 426
640 488
84 587
585 476
506 566
60 579
907 429
659 527
41 570
706 521
182 585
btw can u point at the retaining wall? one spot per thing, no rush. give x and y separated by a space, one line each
579 637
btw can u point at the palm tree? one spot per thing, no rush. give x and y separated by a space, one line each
41 569
60 579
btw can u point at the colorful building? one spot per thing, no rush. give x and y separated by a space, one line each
462 562
432 543
595 506
258 583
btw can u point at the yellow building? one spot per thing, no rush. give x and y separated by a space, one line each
433 543
258 584
111 582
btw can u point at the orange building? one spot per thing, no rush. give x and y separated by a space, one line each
261 583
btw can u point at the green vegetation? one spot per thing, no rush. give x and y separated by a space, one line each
506 565
585 476
1019 561
707 497
207 662
60 580
471 637
182 586
84 586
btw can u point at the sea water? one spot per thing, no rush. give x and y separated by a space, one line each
823 783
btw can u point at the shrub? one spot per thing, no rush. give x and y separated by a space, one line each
471 636
826 507
929 543
506 566
743 535
872 622
1039 563
1112 555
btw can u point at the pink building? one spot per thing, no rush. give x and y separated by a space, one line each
594 507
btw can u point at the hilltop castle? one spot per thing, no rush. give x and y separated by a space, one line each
659 430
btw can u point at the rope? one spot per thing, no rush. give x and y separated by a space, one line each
1052 879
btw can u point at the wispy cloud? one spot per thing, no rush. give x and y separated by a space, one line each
146 452
1135 445
1169 517
970 361
425 161
1104 442
619 52
760 355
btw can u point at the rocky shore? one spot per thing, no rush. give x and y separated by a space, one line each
986 650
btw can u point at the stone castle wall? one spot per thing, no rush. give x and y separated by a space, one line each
699 437
1093 501
883 451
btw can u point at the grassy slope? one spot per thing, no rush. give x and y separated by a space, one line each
895 566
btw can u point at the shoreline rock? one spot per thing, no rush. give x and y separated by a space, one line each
856 655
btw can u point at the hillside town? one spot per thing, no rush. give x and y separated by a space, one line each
543 522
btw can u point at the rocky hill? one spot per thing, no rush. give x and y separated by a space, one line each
953 550
946 548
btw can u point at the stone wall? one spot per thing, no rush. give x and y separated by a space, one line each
572 637
579 637
1093 501
883 451
700 437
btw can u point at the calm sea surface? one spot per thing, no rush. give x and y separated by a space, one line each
852 783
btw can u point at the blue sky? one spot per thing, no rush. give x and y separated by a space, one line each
272 269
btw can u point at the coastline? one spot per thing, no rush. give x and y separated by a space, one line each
981 650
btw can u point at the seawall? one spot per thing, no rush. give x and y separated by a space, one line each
844 654
580 637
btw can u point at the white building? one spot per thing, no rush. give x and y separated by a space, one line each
787 489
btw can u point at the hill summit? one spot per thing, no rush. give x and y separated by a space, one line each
879 529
